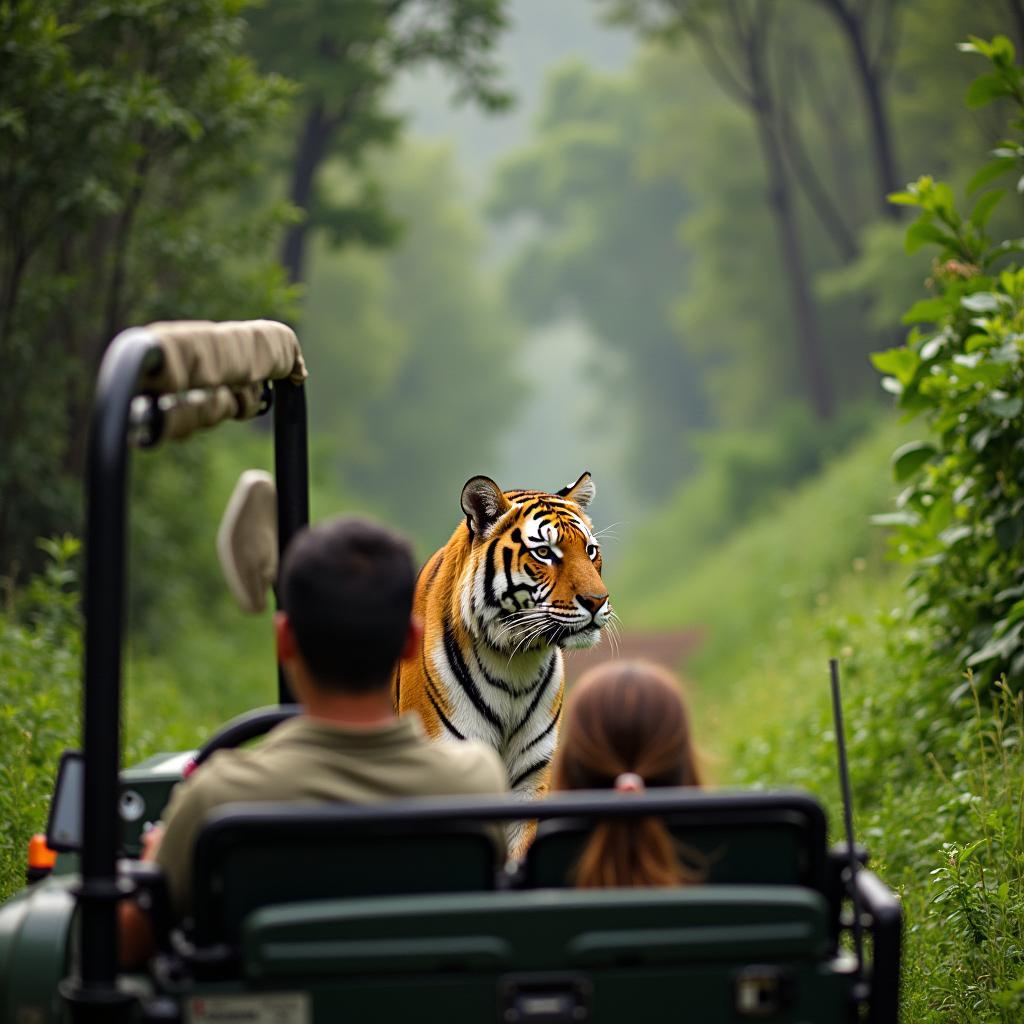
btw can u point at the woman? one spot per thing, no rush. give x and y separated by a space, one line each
627 728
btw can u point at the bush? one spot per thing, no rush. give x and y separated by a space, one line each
960 520
40 662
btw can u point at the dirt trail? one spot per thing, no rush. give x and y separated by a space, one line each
666 647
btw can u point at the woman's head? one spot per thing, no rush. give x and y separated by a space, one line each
626 717
627 728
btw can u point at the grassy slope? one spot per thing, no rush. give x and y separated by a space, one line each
931 777
752 592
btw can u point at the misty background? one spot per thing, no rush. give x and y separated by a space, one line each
525 239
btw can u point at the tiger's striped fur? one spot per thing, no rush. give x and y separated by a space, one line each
518 581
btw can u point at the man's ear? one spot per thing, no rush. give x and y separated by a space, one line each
413 639
582 492
483 503
284 636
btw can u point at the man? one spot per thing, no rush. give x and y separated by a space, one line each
345 593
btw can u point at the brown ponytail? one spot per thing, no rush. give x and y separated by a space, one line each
628 718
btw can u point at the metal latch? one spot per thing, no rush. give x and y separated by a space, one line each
762 991
544 999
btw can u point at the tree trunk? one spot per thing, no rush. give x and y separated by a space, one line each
310 151
886 175
810 351
1017 13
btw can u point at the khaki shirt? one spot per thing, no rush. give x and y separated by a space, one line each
308 760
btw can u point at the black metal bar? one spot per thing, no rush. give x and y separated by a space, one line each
844 784
291 471
94 993
885 926
596 804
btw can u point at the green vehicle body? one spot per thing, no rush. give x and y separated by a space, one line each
405 911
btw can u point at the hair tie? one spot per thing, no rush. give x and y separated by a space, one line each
629 782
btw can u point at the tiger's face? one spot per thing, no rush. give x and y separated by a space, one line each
533 576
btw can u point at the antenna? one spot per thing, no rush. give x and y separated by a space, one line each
844 784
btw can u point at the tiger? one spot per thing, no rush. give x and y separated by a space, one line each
518 581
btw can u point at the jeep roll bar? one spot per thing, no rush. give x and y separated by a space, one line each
165 380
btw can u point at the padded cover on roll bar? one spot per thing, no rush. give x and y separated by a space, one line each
204 354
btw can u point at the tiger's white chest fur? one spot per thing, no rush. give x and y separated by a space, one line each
512 705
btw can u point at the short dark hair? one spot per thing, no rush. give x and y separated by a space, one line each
347 587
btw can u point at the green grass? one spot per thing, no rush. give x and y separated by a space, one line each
744 591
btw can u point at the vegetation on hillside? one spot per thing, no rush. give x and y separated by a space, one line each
934 751
960 522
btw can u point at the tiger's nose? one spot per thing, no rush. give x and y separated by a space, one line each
592 602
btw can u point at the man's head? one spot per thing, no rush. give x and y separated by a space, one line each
345 593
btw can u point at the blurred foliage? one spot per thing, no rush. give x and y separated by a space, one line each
775 564
40 661
598 250
642 206
121 126
346 57
744 475
960 522
415 370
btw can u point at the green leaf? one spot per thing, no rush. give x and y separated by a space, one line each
975 44
926 311
908 459
992 170
1003 52
904 198
1005 408
1001 647
985 89
932 347
922 233
901 363
955 534
981 302
896 519
984 206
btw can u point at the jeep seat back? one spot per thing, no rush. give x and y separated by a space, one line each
780 840
259 855
707 953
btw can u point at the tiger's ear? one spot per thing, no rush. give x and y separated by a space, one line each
582 492
483 503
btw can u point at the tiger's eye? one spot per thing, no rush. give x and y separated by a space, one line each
543 551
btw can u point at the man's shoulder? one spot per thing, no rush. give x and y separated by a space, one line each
472 766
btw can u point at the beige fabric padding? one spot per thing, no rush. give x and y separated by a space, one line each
205 354
198 410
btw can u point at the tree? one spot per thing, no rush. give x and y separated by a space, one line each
858 21
121 126
602 247
346 56
735 39
413 350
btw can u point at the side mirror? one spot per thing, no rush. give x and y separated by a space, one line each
64 826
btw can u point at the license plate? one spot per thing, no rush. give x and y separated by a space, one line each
265 1008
